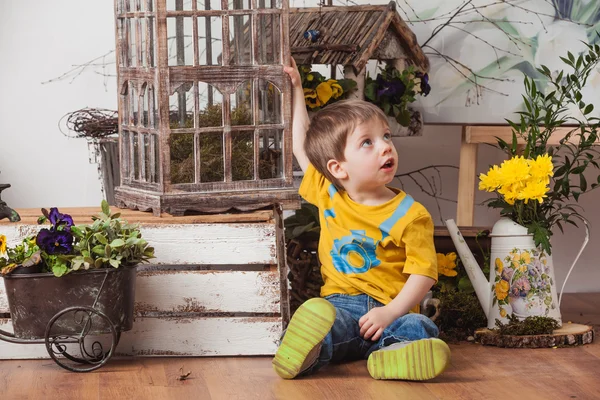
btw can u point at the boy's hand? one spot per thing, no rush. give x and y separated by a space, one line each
292 71
374 322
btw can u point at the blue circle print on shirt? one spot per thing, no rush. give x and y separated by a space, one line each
355 247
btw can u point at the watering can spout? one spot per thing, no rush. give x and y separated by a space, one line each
480 283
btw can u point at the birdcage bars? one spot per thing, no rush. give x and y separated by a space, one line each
204 105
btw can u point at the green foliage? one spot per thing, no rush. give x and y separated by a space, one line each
20 253
529 326
304 224
394 90
109 242
461 314
545 112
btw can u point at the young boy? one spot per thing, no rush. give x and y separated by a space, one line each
376 250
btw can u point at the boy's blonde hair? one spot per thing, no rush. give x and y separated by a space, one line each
329 130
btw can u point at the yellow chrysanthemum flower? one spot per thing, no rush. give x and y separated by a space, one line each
514 170
542 167
510 192
492 180
2 244
310 77
535 190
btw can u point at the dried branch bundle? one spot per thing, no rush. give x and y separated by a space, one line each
92 123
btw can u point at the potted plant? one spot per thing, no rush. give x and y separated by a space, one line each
393 91
109 242
66 269
537 185
537 189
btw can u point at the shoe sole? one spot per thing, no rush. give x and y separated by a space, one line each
417 361
309 325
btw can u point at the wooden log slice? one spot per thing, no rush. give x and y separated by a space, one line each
569 335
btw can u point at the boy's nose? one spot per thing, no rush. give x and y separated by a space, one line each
386 147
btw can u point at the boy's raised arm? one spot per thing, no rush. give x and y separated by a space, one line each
300 120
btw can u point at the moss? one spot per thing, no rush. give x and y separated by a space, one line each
211 150
529 326
461 314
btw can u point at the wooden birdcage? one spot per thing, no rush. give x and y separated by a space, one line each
204 105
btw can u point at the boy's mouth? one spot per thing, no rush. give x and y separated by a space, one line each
388 164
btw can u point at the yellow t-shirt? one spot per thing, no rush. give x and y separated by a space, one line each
369 249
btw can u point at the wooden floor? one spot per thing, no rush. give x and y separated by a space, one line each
476 372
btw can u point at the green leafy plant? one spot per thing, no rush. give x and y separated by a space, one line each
109 242
560 105
393 90
303 224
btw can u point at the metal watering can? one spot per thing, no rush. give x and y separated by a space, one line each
521 278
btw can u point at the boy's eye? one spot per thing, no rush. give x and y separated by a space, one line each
387 136
367 142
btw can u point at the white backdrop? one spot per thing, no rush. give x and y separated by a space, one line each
48 169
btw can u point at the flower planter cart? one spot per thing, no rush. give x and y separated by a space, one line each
68 314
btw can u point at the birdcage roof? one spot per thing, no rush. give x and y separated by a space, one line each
353 35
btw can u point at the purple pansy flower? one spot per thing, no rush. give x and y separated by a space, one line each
57 219
521 287
425 88
394 88
55 242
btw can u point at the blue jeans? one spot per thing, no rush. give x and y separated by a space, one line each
344 343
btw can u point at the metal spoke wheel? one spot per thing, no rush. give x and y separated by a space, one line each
66 335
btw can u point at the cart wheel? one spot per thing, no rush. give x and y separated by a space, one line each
68 329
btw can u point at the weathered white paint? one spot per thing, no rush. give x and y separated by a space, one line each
245 243
3 299
202 336
200 291
181 337
207 291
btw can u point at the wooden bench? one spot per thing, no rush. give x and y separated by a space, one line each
218 284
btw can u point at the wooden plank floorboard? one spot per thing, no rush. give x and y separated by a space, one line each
476 372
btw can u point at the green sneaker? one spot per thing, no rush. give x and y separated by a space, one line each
309 325
417 360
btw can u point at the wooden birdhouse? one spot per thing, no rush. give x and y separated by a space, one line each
204 105
351 36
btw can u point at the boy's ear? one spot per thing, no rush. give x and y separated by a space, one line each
336 169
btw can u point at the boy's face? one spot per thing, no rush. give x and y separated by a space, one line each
371 159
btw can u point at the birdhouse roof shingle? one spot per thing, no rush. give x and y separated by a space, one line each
350 35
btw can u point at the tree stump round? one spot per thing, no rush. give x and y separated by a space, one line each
568 335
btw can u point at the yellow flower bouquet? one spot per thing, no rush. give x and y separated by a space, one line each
537 185
522 185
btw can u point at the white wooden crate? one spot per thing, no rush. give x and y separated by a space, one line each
217 285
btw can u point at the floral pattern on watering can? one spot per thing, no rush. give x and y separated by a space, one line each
523 281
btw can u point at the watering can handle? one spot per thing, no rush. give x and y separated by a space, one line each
585 242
